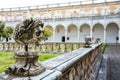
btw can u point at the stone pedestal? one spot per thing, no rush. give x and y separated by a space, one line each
26 64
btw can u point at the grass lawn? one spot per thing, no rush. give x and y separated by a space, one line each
7 59
103 47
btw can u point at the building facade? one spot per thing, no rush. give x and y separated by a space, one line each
72 22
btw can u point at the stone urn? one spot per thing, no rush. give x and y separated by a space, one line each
26 62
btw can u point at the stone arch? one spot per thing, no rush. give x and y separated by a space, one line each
59 33
111 32
109 22
84 31
72 33
98 32
49 39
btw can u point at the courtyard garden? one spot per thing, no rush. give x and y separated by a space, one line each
7 59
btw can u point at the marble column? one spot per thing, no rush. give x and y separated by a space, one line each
78 35
105 35
91 33
53 36
66 35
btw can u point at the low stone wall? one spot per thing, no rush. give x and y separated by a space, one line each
53 47
76 65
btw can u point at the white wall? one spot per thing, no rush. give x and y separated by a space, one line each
58 35
72 34
98 32
111 33
84 31
13 24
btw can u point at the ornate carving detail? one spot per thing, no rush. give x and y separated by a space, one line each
27 61
72 74
29 31
22 68
112 8
78 68
99 9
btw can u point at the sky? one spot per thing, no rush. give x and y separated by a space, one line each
21 3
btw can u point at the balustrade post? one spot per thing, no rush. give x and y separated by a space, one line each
8 46
59 47
2 46
72 47
46 47
55 47
65 50
79 45
52 48
43 47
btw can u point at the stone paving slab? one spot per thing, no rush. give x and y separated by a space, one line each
113 62
103 69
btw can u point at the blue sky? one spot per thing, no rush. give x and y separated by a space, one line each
21 3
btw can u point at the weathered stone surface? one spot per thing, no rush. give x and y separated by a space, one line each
61 59
103 69
29 31
25 65
76 65
113 62
4 76
26 62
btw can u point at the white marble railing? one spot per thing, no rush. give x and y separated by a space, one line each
53 47
57 5
76 65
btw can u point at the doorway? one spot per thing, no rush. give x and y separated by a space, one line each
63 38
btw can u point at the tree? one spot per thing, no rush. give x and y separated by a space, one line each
2 25
7 32
47 32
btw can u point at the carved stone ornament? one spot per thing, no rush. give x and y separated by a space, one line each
29 31
87 42
72 74
26 62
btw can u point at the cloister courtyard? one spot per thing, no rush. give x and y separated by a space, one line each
81 41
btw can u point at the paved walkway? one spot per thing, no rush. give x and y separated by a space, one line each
113 62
